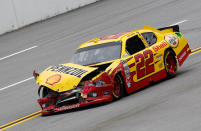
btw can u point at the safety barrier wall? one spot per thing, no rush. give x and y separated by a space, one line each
7 16
15 14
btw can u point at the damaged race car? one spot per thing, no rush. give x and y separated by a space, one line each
106 68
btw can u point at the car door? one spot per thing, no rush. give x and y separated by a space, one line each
139 60
141 63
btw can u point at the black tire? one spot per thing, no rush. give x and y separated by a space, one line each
170 63
118 90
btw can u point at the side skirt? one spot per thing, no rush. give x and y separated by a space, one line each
153 78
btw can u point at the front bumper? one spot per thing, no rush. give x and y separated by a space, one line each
76 99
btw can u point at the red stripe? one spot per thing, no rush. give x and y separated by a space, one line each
131 65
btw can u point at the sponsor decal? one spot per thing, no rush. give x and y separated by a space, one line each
160 65
182 56
172 40
158 47
127 74
68 70
129 84
67 107
126 70
159 57
54 79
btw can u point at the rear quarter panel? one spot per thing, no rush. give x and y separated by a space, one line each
182 50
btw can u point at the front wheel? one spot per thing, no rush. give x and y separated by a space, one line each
170 63
118 89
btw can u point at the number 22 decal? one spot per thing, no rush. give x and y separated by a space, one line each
144 66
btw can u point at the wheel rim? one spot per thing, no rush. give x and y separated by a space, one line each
170 64
117 87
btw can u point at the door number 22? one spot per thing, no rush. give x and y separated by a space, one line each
144 63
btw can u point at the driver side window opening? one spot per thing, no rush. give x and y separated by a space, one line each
134 45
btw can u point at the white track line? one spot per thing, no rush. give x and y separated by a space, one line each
17 53
179 22
1 89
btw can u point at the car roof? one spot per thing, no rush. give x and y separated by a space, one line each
115 37
104 39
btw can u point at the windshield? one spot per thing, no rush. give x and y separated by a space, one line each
98 53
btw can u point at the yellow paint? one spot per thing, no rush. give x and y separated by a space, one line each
112 67
20 120
102 63
67 82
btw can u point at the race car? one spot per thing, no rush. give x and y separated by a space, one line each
106 68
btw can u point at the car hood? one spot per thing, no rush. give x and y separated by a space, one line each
63 77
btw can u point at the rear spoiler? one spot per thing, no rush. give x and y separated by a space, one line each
174 27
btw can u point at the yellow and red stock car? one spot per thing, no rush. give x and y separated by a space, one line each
106 68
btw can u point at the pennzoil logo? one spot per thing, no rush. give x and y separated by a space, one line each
54 79
68 70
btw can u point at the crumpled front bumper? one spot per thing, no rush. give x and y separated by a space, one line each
75 100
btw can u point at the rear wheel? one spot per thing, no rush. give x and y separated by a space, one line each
118 89
170 63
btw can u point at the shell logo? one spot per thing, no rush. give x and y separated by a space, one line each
158 47
54 79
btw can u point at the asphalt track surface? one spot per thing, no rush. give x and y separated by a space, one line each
170 105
